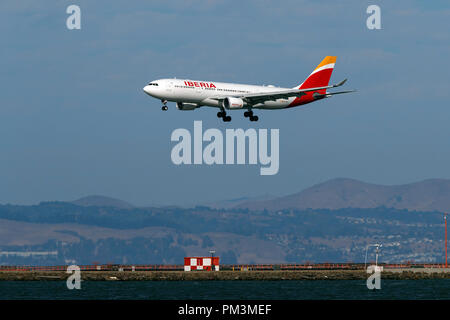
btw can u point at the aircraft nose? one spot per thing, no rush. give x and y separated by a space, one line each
147 90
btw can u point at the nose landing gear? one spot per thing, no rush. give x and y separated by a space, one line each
164 107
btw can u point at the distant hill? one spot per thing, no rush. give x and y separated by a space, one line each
82 235
231 203
427 195
102 201
330 222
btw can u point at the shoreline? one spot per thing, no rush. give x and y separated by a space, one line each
395 274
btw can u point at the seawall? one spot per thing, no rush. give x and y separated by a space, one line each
398 274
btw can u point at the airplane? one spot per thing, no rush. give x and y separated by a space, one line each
192 94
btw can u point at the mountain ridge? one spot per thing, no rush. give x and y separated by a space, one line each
102 201
339 193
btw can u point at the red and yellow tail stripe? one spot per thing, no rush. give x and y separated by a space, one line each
320 77
326 63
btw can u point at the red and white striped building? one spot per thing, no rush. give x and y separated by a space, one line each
201 263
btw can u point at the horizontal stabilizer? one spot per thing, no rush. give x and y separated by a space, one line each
339 92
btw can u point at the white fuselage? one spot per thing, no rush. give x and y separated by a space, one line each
205 93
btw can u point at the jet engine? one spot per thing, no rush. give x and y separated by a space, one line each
186 106
233 103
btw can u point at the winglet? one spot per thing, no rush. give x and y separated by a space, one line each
340 83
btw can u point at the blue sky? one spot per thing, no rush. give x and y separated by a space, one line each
74 120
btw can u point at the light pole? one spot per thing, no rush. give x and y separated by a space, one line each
377 245
445 219
376 257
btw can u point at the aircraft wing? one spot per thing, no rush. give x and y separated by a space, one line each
254 98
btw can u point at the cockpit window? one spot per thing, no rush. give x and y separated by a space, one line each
153 84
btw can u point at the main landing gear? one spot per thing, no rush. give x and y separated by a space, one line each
222 114
249 114
164 107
